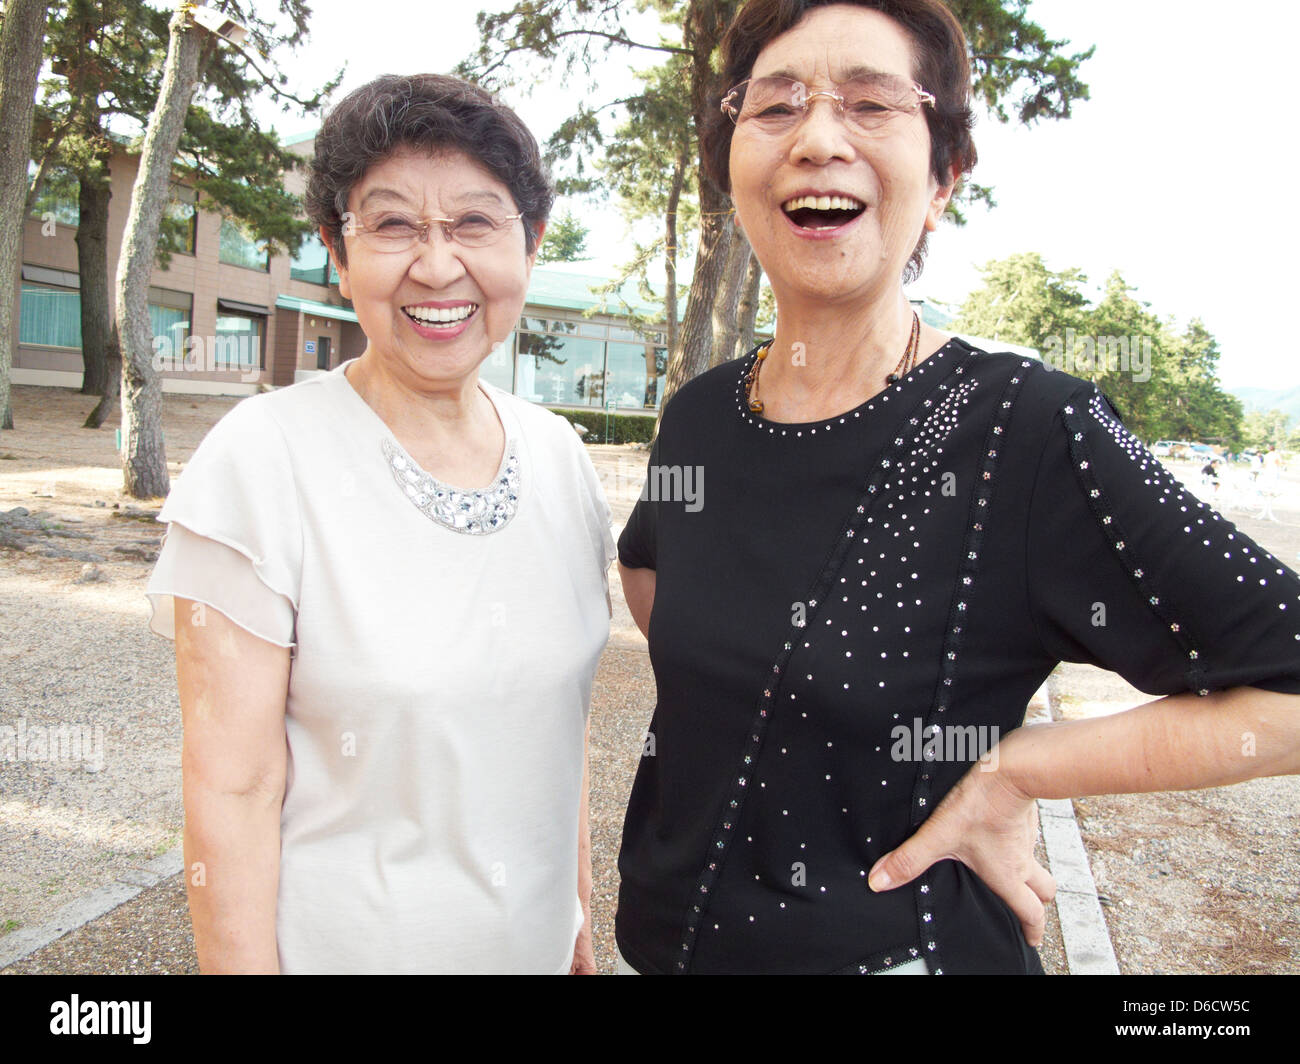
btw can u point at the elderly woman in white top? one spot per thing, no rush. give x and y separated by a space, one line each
390 592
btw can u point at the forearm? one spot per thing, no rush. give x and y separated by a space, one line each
1183 742
584 831
232 688
639 592
232 876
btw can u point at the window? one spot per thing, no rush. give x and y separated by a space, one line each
180 220
312 262
498 367
238 342
634 372
238 248
60 194
169 315
49 315
561 369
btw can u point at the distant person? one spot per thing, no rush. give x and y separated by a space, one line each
1210 475
390 591
1269 483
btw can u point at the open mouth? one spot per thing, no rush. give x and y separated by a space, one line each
436 316
822 212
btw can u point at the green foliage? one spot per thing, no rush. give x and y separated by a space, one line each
622 428
1267 428
106 61
565 240
1164 384
1016 64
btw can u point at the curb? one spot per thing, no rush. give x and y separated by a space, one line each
27 940
1088 949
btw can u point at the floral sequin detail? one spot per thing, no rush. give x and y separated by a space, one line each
475 513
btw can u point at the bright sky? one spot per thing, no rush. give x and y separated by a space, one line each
1156 175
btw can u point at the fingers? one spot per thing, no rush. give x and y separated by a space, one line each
1028 907
908 861
1042 883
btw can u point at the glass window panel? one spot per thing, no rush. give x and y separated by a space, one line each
49 316
171 326
561 369
533 324
617 332
59 196
238 248
312 262
564 326
181 220
498 368
238 343
635 374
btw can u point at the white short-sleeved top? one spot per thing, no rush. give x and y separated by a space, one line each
440 680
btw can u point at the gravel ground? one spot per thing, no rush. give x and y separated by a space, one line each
1196 882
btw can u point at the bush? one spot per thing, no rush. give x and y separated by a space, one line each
623 428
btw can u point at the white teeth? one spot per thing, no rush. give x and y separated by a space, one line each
440 315
823 203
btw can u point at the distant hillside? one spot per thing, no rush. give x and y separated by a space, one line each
1264 399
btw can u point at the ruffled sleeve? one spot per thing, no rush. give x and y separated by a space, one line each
598 514
1129 571
234 539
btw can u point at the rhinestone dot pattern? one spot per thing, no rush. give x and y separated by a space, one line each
1202 526
931 421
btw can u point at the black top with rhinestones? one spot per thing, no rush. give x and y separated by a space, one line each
921 562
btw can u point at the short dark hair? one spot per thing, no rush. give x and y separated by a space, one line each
426 112
942 68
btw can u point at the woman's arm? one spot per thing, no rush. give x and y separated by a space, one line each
584 957
639 591
1183 742
232 691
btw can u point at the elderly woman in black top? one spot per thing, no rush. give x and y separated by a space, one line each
900 539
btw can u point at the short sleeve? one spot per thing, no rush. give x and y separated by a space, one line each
598 514
234 539
1129 571
637 544
193 567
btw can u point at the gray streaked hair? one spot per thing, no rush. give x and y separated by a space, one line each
424 112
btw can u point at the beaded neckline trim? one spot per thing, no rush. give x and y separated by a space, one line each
775 428
474 513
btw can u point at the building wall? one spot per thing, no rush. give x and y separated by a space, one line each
201 275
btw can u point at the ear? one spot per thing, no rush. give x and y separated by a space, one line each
541 233
345 286
939 200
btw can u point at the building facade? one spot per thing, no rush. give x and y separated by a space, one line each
230 319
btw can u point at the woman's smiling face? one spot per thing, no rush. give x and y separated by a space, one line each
859 253
399 297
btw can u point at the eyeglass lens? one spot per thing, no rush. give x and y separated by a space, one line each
778 104
394 231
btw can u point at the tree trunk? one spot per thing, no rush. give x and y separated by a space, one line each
749 304
92 264
704 23
22 41
695 339
144 460
112 382
726 322
670 247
